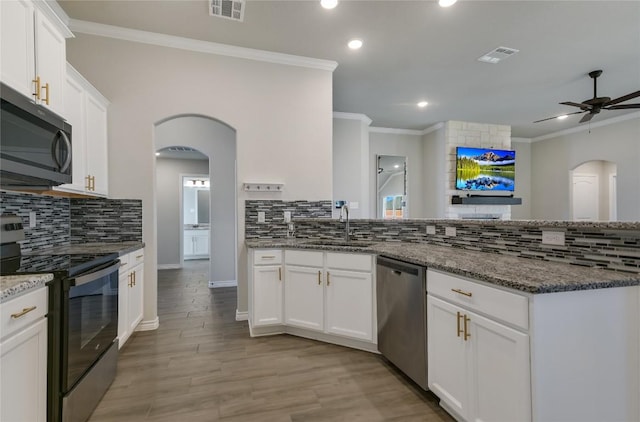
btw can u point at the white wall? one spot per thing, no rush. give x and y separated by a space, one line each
404 145
282 116
434 168
552 160
522 148
168 199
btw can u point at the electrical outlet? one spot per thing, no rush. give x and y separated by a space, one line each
553 238
261 218
450 231
287 216
431 229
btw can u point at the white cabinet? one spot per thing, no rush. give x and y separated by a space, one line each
130 294
34 51
86 111
478 366
330 292
196 244
23 358
266 288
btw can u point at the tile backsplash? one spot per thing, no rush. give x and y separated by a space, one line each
63 221
274 225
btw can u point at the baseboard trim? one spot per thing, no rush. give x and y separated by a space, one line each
224 283
148 325
242 316
169 266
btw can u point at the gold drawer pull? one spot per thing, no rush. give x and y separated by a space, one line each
468 294
268 257
23 312
139 256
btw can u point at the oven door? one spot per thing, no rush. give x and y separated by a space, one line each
90 316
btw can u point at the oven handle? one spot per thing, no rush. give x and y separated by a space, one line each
96 273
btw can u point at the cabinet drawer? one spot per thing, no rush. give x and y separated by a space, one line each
125 262
136 257
267 256
509 307
305 258
12 324
349 261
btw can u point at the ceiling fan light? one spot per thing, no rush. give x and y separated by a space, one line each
328 4
446 3
564 116
423 104
355 44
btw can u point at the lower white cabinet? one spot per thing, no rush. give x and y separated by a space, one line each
130 294
322 292
23 358
196 244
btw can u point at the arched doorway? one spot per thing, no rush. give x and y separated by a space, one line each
217 141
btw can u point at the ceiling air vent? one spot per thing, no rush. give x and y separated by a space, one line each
180 149
497 55
228 9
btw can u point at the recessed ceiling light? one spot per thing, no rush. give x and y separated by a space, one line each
422 104
157 153
564 116
328 4
355 44
397 166
446 3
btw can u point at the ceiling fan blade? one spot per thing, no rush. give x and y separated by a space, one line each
623 98
580 105
587 117
622 106
555 117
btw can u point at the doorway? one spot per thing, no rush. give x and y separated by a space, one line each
593 191
195 216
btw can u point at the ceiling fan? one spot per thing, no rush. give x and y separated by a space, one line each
595 104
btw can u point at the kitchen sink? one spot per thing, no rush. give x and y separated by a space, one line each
343 243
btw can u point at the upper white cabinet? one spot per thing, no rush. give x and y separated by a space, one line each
34 52
86 111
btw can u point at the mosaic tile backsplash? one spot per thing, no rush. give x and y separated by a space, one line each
274 226
63 221
615 247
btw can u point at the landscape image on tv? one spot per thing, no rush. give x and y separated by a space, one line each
482 169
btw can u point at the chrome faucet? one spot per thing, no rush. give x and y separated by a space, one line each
346 221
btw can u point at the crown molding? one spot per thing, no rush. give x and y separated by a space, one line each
189 44
56 15
630 116
353 116
522 140
433 128
395 131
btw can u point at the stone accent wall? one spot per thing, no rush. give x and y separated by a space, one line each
615 246
478 135
52 218
106 220
274 226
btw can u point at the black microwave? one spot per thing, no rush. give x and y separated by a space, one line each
35 144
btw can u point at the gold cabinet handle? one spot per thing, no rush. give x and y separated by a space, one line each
280 273
462 292
139 256
328 278
46 98
130 280
88 179
466 328
23 312
134 278
459 330
319 278
93 183
37 82
268 257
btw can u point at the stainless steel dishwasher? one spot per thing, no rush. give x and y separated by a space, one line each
402 317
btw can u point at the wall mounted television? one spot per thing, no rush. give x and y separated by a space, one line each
485 169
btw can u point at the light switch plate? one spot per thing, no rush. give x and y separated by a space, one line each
552 238
450 231
431 229
261 218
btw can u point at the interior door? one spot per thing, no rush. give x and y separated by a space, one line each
585 197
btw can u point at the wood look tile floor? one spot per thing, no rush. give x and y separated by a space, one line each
201 365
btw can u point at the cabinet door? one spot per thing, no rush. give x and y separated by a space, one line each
135 298
304 297
349 306
23 375
51 62
499 382
447 363
201 242
188 244
123 308
97 151
75 115
267 295
17 45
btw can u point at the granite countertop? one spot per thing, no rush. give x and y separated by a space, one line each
527 275
121 248
12 286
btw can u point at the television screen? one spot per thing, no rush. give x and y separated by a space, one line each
483 169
